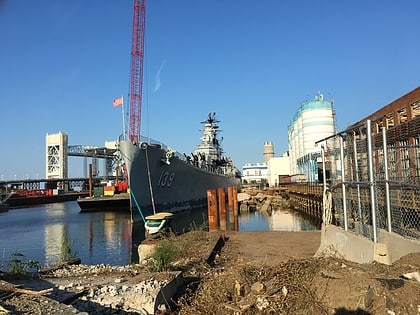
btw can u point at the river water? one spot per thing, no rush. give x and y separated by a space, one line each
105 237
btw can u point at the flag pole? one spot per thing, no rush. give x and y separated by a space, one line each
123 114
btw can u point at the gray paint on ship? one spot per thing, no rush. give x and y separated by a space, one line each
185 186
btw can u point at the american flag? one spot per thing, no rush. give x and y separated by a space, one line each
118 102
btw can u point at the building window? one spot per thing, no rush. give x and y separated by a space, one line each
415 109
389 119
402 115
378 126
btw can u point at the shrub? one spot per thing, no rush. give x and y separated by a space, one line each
66 248
164 254
19 264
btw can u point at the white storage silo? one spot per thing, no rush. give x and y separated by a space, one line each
317 123
312 122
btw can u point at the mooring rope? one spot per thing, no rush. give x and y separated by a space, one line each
137 205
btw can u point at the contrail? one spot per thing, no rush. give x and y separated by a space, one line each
157 78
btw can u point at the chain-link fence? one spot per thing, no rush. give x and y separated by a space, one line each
373 185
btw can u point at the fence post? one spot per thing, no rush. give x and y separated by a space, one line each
324 173
371 178
343 185
388 201
356 167
324 192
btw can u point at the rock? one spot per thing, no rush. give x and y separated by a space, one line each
262 303
120 280
257 288
145 250
243 196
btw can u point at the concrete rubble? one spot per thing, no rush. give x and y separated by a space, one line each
100 288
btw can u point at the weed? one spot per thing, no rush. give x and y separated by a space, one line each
19 264
66 248
163 256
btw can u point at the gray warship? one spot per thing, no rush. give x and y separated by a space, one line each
163 180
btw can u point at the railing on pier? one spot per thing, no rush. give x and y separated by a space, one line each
306 197
374 185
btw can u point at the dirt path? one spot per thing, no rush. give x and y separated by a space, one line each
271 247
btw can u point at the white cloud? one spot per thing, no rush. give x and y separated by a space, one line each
157 77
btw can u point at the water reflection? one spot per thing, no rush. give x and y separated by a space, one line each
108 237
279 220
37 233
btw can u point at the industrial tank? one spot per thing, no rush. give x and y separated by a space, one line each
313 121
317 122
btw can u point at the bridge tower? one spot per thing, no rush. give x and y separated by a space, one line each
56 155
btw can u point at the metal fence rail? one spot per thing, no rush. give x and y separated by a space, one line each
373 185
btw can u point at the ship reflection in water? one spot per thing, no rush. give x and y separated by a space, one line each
106 237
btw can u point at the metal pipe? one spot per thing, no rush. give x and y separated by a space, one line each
371 178
90 181
388 200
324 179
343 186
356 165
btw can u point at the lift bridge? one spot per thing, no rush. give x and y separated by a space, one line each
95 153
58 151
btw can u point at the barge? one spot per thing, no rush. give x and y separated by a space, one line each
25 198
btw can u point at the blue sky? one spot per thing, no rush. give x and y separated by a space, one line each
252 62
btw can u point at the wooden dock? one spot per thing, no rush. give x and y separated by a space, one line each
305 198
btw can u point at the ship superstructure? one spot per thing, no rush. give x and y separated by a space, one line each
163 180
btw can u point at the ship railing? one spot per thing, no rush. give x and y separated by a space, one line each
163 146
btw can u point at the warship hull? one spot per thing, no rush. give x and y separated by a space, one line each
162 181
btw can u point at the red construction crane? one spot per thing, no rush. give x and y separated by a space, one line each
136 73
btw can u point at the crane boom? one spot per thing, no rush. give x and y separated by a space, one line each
136 72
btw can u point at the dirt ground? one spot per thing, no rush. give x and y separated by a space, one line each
292 281
257 273
271 247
